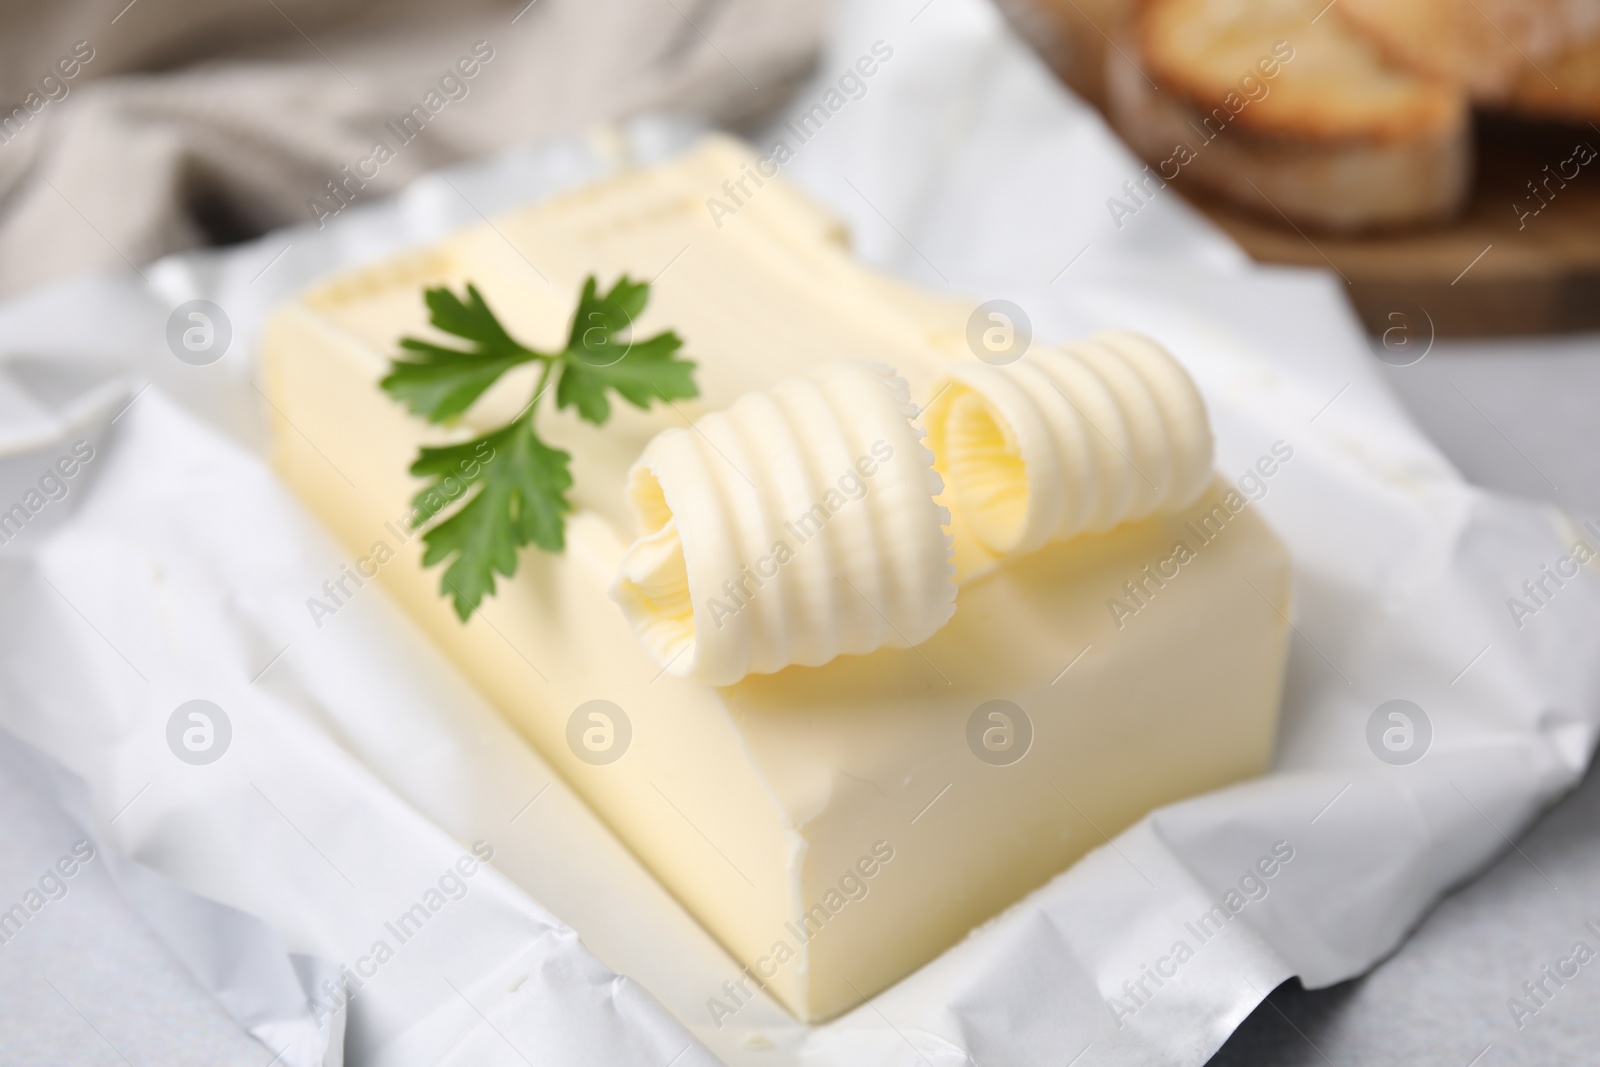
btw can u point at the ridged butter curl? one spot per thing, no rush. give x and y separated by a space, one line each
1069 440
797 525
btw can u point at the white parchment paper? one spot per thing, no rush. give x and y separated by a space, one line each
362 769
121 912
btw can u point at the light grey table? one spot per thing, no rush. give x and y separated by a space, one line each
1521 417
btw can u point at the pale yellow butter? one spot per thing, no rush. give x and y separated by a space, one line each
803 523
834 826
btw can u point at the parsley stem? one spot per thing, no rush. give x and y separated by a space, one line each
544 379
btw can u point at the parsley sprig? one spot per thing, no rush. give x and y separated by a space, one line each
514 485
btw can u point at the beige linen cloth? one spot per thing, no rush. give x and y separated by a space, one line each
128 131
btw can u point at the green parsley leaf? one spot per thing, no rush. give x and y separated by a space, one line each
444 382
508 487
597 360
645 373
522 485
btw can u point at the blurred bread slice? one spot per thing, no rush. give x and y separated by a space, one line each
1289 113
1487 46
1563 88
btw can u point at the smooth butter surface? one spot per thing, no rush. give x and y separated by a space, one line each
761 805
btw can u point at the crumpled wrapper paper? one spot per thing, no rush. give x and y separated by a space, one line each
362 770
201 965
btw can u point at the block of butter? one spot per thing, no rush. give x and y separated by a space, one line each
834 826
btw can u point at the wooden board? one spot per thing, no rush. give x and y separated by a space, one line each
1483 274
1487 273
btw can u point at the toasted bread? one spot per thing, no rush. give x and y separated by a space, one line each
1487 46
1286 112
1563 88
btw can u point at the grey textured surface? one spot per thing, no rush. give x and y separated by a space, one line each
1521 417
